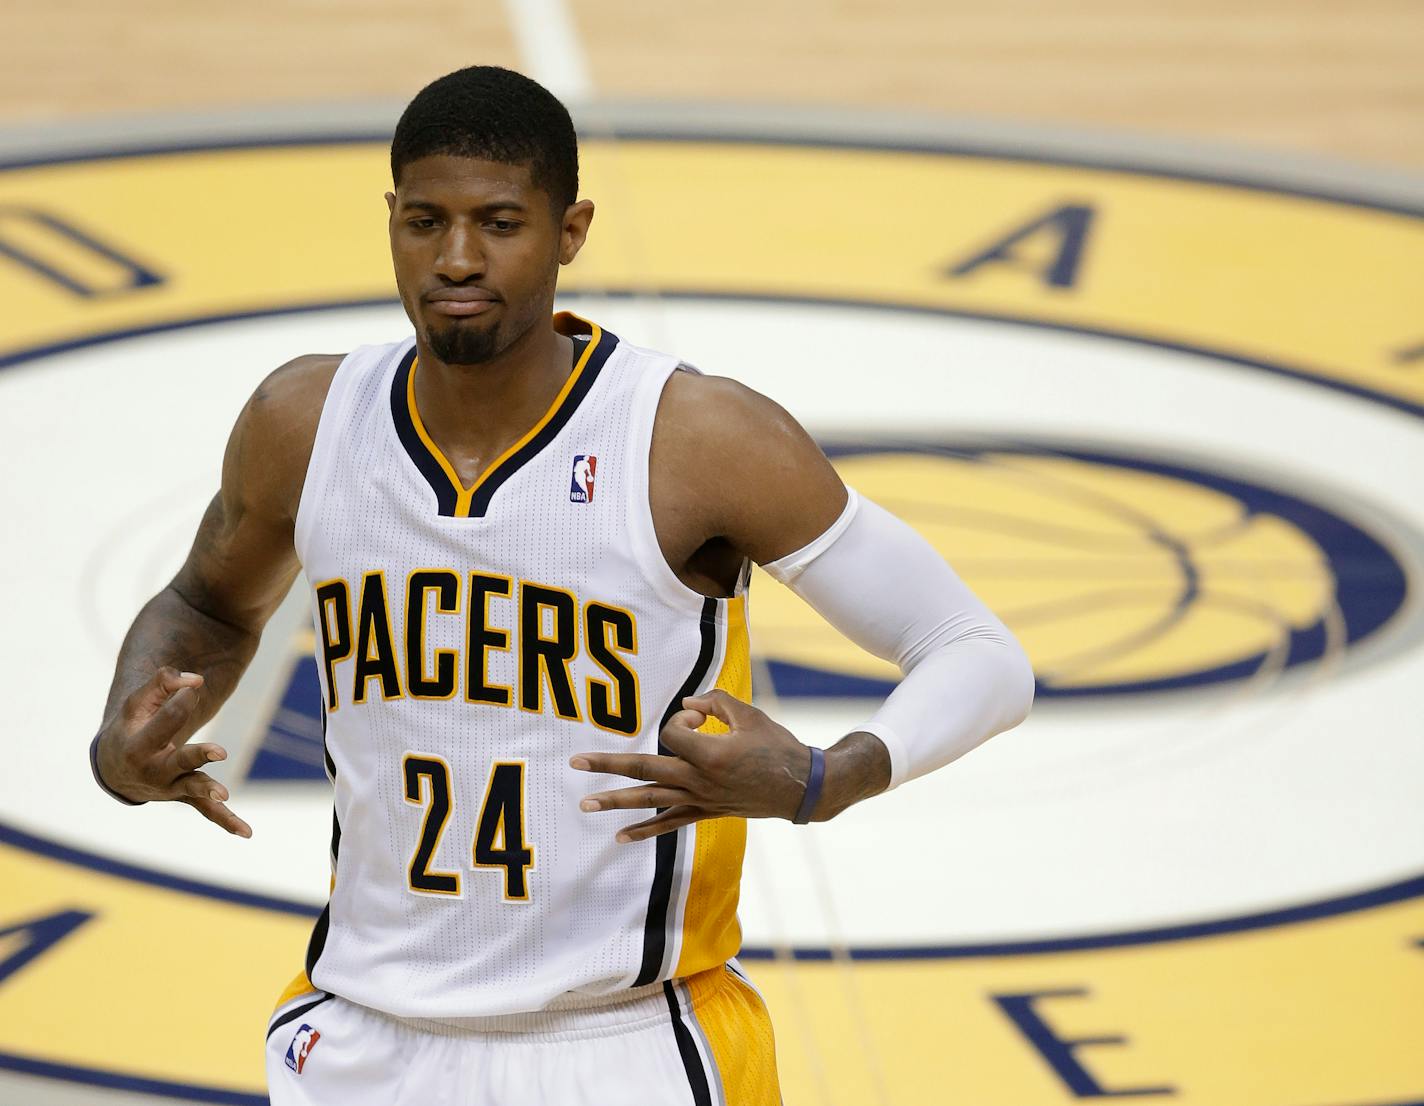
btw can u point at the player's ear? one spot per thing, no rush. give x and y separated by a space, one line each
391 202
575 230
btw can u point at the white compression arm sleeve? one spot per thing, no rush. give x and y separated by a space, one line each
877 581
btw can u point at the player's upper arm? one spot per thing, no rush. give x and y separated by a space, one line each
762 481
242 561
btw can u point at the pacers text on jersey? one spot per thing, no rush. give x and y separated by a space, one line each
542 626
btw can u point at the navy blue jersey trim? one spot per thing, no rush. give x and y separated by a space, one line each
491 482
429 467
447 495
317 944
665 859
687 1049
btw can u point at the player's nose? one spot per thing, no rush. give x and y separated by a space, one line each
461 256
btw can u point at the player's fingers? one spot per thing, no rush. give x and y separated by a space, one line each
142 704
629 798
689 745
169 719
636 766
219 814
197 785
188 757
720 704
669 820
171 679
688 719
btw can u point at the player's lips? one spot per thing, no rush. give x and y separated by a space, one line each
461 301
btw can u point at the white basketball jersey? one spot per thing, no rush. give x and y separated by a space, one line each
471 640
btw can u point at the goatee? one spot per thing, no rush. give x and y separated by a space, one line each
462 345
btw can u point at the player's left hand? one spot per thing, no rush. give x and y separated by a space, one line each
757 770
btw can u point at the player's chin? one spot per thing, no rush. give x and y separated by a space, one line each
463 341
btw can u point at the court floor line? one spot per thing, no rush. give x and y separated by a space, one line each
549 46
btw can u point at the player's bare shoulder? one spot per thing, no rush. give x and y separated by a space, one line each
271 443
741 465
704 413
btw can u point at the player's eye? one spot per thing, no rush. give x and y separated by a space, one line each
504 226
422 223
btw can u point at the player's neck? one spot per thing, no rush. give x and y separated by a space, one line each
475 412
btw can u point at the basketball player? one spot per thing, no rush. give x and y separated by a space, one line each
529 543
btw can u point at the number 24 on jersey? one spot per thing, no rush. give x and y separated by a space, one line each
499 831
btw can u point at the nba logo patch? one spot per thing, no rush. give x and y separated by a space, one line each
581 483
303 1042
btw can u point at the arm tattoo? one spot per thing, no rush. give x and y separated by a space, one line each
179 626
169 630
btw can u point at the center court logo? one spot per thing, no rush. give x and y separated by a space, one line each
1198 500
303 1041
581 481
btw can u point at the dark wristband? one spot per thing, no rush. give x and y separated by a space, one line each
94 765
813 787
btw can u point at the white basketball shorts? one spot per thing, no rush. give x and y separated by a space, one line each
704 1040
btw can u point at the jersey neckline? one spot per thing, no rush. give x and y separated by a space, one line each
455 500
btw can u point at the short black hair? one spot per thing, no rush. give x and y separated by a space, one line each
493 114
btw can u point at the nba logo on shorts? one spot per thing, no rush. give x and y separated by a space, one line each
302 1043
581 485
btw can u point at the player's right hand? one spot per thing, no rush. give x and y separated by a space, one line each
143 753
